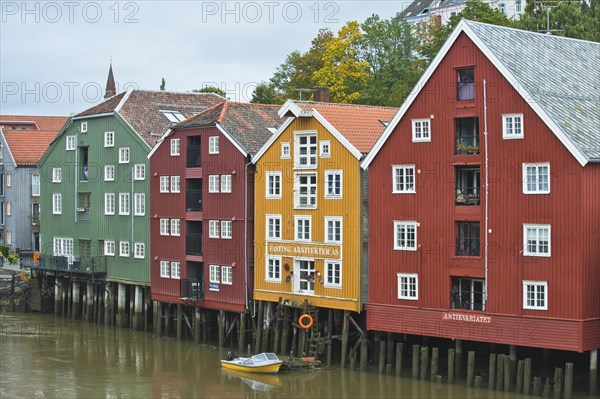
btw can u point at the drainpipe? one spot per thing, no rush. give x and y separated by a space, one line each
246 233
131 210
485 138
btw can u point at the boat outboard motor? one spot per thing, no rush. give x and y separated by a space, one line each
230 355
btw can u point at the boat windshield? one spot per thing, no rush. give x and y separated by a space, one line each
271 356
261 357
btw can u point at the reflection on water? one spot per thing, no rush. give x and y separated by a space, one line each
45 357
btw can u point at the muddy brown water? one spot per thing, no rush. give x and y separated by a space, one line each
42 356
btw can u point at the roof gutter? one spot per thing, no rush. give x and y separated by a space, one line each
76 118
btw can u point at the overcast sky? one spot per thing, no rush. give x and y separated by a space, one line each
54 56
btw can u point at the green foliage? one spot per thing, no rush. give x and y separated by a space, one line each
211 89
163 83
264 93
4 250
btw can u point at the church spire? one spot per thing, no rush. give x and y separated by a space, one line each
111 89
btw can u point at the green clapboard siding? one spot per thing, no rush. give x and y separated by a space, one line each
100 227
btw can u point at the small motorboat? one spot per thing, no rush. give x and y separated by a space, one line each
264 363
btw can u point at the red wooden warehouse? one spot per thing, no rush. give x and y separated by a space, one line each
484 192
202 207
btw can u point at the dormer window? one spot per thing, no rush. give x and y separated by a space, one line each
173 116
466 84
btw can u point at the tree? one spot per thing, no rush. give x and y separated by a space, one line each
163 84
264 93
211 89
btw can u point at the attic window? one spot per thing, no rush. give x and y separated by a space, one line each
384 123
272 129
173 116
424 11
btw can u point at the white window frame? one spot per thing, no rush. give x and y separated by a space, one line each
176 227
124 155
109 203
165 269
175 184
164 226
271 276
83 127
176 270
175 147
537 284
404 289
214 183
331 265
63 247
214 229
8 208
226 183
334 172
537 167
508 126
226 275
297 147
56 175
164 184
325 149
286 151
124 204
35 187
537 228
214 274
139 250
300 236
273 182
71 143
403 188
139 204
57 204
226 229
124 249
421 130
109 139
270 219
297 195
139 171
213 144
406 224
334 219
109 172
109 248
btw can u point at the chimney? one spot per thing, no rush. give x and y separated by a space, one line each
111 89
321 94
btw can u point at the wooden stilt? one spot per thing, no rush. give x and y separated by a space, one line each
108 304
470 368
568 380
266 326
537 386
329 336
179 321
286 329
364 353
546 391
512 370
382 347
159 319
500 373
294 348
507 374
277 320
451 363
197 325
204 315
259 322
242 334
58 300
492 372
390 349
478 381
593 371
520 371
434 363
221 329
558 382
527 376
345 328
399 353
457 357
424 362
415 361
167 318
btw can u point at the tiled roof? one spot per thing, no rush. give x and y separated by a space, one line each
141 109
416 7
361 125
247 123
45 123
561 74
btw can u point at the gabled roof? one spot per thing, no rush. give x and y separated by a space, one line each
559 77
28 146
246 124
142 109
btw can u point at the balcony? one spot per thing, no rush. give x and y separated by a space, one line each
466 186
467 294
191 290
193 244
193 200
467 196
466 136
89 266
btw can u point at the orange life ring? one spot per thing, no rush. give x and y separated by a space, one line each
301 321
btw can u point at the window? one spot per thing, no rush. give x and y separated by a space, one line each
227 275
518 5
139 250
273 227
175 227
71 143
175 147
35 185
324 149
56 204
333 184
305 190
512 126
535 295
226 229
176 270
303 230
502 8
164 227
63 247
465 84
405 236
164 184
213 145
8 180
273 184
109 172
175 184
83 128
214 274
306 277
273 268
536 178
8 237
164 269
403 179
109 139
139 204
56 175
466 132
173 116
285 151
139 171
213 183
333 274
226 183
536 240
124 155
305 150
467 239
123 203
109 248
408 287
109 203
213 229
421 130
8 209
333 230
124 248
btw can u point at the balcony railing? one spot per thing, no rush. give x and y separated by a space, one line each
467 196
467 300
193 244
93 265
467 144
193 156
466 246
193 200
83 214
191 290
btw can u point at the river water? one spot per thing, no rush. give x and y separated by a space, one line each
42 356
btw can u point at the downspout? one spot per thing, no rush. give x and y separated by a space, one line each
485 138
131 210
76 177
361 236
246 234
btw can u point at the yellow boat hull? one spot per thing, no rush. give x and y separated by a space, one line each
266 369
